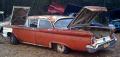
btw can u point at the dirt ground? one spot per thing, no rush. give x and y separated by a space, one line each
23 50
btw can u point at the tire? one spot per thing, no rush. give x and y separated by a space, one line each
13 40
1 29
62 49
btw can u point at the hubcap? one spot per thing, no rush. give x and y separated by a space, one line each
60 48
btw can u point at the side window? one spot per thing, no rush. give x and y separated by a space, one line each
33 23
44 24
63 23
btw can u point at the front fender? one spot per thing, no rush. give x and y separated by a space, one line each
6 30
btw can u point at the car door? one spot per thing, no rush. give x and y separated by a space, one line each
43 32
27 33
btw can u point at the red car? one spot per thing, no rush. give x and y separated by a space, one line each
56 8
63 33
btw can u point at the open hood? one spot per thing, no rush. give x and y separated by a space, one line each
19 15
86 14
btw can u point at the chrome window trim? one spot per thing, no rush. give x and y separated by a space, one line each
61 19
39 19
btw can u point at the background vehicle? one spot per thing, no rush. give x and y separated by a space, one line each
1 20
116 23
56 8
114 16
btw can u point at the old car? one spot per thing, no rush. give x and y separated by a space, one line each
56 8
63 33
1 20
114 16
116 24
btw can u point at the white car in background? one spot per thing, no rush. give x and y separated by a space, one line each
1 20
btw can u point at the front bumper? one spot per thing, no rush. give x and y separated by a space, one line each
6 31
110 43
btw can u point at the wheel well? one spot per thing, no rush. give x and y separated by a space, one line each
53 45
1 29
9 34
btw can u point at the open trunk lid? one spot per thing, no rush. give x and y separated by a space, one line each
87 14
82 21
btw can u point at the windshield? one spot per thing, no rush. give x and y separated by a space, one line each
63 23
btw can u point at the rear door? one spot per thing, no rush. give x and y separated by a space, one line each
43 32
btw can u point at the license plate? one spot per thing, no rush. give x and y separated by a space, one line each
106 45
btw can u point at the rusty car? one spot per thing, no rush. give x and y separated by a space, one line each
64 33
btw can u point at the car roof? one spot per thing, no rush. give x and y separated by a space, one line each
51 18
116 20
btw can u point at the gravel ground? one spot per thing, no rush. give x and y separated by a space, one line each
23 50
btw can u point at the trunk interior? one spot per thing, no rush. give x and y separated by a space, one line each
98 32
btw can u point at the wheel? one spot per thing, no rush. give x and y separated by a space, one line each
62 49
13 40
1 29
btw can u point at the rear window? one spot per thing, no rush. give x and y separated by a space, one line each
63 23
